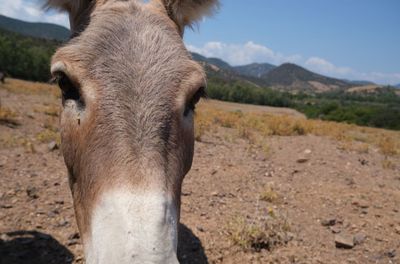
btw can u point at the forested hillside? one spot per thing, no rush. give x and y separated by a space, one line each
26 57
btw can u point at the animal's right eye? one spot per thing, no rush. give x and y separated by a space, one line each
68 89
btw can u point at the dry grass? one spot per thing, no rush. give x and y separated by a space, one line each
388 164
388 146
26 87
8 117
269 194
360 148
266 232
48 135
52 110
253 125
8 140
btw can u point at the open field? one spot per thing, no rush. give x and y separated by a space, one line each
267 186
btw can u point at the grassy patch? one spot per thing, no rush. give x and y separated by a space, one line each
47 135
26 87
260 233
8 117
269 194
252 126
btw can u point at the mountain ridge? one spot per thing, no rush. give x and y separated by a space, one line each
286 77
34 29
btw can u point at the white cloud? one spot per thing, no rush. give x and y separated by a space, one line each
31 11
239 54
323 66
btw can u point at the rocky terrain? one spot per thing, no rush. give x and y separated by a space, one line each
266 186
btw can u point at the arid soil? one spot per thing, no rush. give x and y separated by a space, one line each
285 202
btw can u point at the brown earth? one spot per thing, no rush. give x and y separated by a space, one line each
283 201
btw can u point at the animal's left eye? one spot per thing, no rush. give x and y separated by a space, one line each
191 104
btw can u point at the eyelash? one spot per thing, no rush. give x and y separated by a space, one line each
191 105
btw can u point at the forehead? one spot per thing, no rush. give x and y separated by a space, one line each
130 43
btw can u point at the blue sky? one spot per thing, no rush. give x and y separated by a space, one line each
354 39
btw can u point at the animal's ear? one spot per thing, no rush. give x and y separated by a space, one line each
78 10
187 12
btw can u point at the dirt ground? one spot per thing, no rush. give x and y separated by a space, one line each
240 203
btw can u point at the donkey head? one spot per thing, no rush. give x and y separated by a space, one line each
129 89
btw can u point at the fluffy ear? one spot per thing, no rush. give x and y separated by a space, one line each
78 10
188 12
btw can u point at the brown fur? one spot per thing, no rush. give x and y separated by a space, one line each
135 77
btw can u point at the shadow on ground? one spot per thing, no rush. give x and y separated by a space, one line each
32 247
190 249
23 247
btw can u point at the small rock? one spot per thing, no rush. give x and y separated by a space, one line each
4 237
335 229
360 204
201 229
302 160
391 253
74 236
344 241
307 151
52 146
214 194
268 174
213 172
32 192
359 239
397 229
328 222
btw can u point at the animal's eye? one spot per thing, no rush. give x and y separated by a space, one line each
68 89
191 105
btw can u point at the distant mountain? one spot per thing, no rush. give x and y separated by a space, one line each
397 85
293 78
254 69
38 30
359 82
214 61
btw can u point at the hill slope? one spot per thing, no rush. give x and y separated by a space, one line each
254 69
38 30
26 57
214 61
291 77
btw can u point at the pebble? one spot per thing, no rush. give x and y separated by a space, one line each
302 160
74 236
307 151
328 222
359 238
391 253
52 146
335 229
32 192
344 241
201 229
